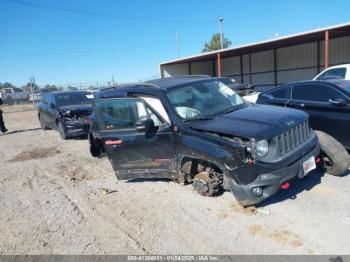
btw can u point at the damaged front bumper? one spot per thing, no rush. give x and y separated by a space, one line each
76 129
270 182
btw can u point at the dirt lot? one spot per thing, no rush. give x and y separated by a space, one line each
56 199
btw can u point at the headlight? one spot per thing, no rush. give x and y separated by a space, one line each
262 148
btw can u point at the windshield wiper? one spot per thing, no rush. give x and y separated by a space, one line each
200 118
232 109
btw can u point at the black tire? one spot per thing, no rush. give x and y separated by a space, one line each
42 124
62 131
95 149
335 158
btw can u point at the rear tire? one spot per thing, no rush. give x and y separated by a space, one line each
335 158
95 150
42 124
62 131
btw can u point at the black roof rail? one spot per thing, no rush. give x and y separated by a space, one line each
189 76
148 85
131 85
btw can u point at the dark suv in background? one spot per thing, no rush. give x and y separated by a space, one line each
328 106
65 111
197 130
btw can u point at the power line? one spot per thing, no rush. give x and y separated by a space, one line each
86 51
92 50
82 12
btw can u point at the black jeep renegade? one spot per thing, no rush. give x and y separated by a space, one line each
197 130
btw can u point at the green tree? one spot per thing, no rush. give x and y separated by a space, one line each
28 87
51 86
6 85
215 44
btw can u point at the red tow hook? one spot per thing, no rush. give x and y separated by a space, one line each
318 160
285 186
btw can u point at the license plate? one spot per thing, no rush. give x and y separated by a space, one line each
309 165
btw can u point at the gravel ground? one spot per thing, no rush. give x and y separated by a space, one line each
56 199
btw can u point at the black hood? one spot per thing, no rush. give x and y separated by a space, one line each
254 121
80 108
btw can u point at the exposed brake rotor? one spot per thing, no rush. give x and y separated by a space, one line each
207 183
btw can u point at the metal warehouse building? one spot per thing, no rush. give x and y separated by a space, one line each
272 62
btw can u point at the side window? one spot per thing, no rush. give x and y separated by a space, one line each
156 105
121 113
18 90
157 121
44 100
336 72
49 99
281 93
315 92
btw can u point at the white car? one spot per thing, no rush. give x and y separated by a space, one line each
13 95
252 98
338 71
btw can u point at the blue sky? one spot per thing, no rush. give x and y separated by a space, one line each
61 47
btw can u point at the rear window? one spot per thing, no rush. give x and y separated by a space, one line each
66 99
336 73
18 90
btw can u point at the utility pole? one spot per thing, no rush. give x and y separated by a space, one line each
177 44
220 31
31 80
113 81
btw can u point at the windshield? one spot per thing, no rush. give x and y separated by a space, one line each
67 99
203 99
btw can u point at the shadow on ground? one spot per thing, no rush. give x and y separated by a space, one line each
297 186
151 179
20 131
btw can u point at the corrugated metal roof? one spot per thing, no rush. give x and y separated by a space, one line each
277 39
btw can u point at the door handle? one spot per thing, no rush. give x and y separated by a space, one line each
113 142
299 105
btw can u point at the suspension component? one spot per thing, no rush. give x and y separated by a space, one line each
208 182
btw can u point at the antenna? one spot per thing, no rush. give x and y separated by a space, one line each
177 44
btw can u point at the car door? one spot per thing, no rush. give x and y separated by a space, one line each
42 108
51 111
279 96
133 151
319 100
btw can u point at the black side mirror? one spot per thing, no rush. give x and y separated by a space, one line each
52 105
144 125
338 102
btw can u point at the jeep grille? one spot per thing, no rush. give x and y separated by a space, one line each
293 137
